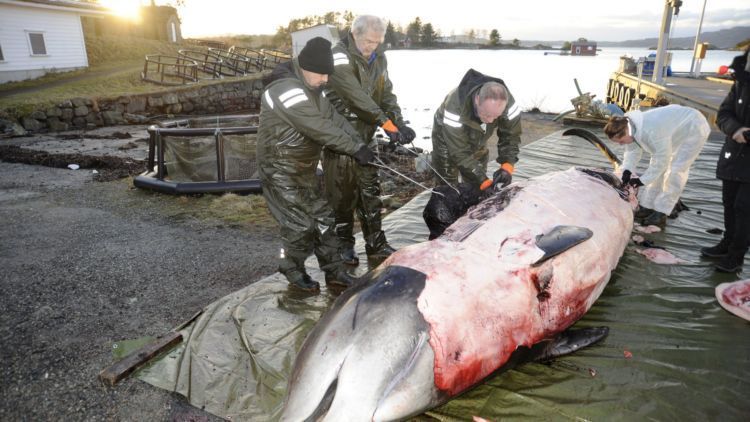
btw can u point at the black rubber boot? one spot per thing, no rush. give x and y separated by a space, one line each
678 208
339 279
731 262
717 251
349 257
384 251
643 212
656 218
305 283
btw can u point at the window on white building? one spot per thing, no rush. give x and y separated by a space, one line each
1 54
36 41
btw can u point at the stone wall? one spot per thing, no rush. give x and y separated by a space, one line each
83 113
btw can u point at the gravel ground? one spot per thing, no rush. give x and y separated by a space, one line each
87 263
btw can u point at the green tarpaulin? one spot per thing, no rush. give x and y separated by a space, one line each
672 353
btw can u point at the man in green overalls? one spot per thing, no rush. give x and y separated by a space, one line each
296 122
363 93
470 114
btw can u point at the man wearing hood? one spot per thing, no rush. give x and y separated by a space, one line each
296 122
362 91
733 169
479 107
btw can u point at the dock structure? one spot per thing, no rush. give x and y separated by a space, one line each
704 94
648 83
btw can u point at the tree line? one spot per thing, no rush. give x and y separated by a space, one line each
416 34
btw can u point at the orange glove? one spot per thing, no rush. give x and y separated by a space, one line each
388 126
501 177
508 167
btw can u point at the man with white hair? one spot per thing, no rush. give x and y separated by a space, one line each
470 114
361 91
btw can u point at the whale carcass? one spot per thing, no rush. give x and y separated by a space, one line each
505 280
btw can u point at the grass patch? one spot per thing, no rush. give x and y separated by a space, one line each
110 81
101 81
51 77
237 211
245 210
116 65
111 49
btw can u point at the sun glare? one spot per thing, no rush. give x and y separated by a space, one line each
128 9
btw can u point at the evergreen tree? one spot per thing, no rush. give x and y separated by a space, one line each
494 38
331 18
414 30
348 18
428 35
390 35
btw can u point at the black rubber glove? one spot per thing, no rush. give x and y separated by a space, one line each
635 182
407 134
394 136
626 177
501 178
364 155
391 146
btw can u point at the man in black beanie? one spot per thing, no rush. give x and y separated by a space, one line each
317 57
296 122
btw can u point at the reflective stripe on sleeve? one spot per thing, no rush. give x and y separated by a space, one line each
514 111
294 100
267 97
449 115
451 119
291 93
340 58
292 97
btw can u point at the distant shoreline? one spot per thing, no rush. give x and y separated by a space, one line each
475 47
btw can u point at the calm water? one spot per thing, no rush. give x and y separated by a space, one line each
422 78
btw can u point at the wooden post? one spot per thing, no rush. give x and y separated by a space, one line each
131 362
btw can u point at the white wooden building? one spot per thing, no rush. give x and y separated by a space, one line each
301 37
41 36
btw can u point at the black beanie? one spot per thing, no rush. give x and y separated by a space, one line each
316 56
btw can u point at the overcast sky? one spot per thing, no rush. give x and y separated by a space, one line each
600 20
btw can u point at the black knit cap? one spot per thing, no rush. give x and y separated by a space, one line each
316 56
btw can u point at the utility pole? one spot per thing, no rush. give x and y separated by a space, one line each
671 7
697 38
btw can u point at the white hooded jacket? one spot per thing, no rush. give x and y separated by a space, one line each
674 136
659 132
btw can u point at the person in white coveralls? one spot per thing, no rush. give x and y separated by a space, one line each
674 136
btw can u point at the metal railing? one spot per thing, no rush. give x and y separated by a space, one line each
275 56
209 66
237 63
214 63
255 56
169 70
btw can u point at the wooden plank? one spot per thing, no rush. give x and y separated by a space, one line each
131 362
